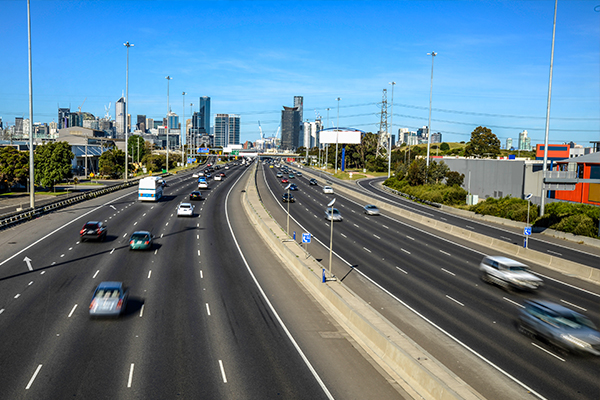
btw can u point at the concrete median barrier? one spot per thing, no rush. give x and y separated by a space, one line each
411 366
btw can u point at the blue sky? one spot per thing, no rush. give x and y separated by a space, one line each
253 57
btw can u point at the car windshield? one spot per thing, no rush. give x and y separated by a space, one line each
371 208
91 226
184 206
335 211
139 236
574 321
518 268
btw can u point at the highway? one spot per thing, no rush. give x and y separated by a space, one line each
552 246
437 278
198 323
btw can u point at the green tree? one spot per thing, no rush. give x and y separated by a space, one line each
483 143
52 163
454 178
136 147
444 146
417 172
14 166
112 163
437 171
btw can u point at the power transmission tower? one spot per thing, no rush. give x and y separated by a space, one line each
383 128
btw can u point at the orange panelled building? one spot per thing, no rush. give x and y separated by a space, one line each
588 167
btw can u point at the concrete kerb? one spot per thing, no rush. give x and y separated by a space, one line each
558 264
411 366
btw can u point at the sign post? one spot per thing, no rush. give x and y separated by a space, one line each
306 241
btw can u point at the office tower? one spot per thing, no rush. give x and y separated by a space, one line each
221 130
204 114
298 103
436 137
423 133
141 123
234 129
120 117
19 127
149 123
63 117
290 128
1 123
173 120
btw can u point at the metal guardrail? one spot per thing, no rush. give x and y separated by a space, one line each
16 217
411 197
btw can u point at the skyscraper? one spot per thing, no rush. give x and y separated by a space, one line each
173 120
524 141
204 115
120 117
299 103
221 130
509 143
63 117
19 127
234 129
290 128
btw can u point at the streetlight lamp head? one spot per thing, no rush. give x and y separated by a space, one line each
433 53
331 203
528 196
288 187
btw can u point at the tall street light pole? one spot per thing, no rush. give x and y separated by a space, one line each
190 133
31 172
337 133
543 199
128 45
391 131
183 124
327 144
429 132
168 78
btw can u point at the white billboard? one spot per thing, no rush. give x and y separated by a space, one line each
340 136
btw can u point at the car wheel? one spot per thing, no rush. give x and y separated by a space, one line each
82 240
523 329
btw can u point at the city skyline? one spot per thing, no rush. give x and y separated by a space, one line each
497 78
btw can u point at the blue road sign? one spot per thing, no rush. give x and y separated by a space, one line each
527 231
306 238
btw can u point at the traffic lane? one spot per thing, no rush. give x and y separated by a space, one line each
580 253
347 372
476 301
257 357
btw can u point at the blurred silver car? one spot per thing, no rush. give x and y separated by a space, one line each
559 326
109 300
333 215
508 274
371 209
327 189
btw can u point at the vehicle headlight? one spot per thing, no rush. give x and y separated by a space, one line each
575 341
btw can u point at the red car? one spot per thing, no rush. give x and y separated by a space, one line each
285 180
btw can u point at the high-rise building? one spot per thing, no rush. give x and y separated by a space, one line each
173 120
204 114
221 130
403 134
311 133
63 117
423 133
234 129
290 128
436 137
524 141
19 127
1 127
141 123
509 143
299 103
120 117
149 123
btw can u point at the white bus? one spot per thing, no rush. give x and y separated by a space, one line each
150 189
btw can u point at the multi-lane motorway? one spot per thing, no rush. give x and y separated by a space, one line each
210 314
438 279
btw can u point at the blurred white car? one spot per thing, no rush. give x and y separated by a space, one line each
333 215
327 189
371 209
185 210
218 178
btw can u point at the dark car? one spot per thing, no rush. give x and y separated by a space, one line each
287 198
560 326
313 181
293 186
196 195
93 230
109 300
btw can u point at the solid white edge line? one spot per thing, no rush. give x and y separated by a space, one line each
130 376
552 354
72 311
33 377
268 302
497 368
222 371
